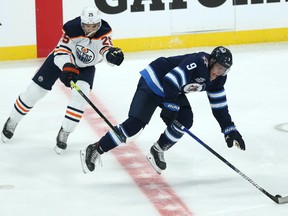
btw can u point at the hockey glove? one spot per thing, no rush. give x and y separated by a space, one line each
233 137
169 112
115 56
70 72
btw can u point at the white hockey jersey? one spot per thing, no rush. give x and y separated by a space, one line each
75 47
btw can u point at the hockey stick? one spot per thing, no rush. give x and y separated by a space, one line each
121 136
277 198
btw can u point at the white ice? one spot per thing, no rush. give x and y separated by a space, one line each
39 182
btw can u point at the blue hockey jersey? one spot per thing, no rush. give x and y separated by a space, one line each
169 77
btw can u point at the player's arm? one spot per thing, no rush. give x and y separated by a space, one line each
172 83
112 55
63 51
64 59
171 105
218 102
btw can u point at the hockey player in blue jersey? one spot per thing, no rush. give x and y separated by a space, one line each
86 41
164 83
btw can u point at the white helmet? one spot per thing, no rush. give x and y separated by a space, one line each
90 20
90 15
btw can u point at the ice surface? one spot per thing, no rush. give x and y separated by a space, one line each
38 182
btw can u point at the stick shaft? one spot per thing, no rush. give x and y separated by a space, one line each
121 136
275 199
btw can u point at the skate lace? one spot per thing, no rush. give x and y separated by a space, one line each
161 156
11 126
96 158
63 136
160 152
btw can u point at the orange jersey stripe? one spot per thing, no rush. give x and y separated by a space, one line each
62 50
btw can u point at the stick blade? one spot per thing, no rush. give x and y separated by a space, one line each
282 200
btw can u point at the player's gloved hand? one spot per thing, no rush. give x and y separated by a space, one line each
233 137
69 72
169 112
115 56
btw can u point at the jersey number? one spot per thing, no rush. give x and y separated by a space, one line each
191 66
65 38
106 41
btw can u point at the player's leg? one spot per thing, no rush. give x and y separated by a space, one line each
141 110
131 128
42 82
171 135
75 108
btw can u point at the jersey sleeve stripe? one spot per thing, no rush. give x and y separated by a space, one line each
173 79
182 75
219 105
152 81
62 51
216 94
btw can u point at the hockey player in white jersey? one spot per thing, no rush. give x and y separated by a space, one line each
86 41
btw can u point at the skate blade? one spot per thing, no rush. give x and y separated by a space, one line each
4 138
151 160
58 150
83 163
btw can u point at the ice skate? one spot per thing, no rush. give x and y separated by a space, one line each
8 130
156 158
90 156
61 141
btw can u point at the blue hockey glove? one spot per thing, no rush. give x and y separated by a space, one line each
69 72
115 56
233 137
169 112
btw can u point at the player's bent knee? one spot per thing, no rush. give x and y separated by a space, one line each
85 88
134 137
131 128
33 93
